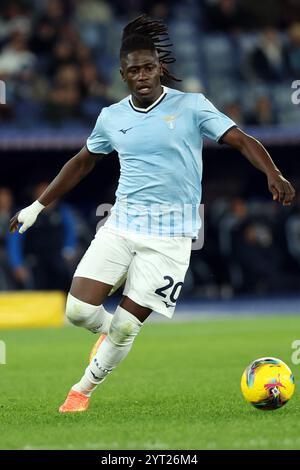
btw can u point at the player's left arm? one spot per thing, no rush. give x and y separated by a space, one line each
256 153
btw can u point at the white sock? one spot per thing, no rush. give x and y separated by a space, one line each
94 318
123 330
85 386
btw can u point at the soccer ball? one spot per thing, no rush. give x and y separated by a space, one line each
267 383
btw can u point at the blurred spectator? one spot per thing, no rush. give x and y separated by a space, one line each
67 75
55 13
235 112
94 11
117 89
226 16
14 17
6 204
94 91
200 279
159 10
258 257
264 13
6 112
83 53
92 84
268 59
43 38
64 102
293 51
229 223
263 113
251 249
290 12
63 53
44 256
63 106
16 56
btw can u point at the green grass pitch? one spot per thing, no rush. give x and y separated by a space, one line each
179 388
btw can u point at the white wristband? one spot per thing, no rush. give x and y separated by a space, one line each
28 215
37 207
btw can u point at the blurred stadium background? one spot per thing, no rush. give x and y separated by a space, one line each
59 64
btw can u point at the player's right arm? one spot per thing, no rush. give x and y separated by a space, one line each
69 176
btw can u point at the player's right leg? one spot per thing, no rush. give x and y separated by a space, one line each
125 326
105 262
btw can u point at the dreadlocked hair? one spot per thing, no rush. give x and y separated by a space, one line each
149 34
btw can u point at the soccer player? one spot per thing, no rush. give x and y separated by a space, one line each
158 133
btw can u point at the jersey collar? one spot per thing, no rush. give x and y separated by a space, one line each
146 110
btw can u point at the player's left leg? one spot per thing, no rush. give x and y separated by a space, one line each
84 306
125 326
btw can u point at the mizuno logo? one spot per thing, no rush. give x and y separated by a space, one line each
168 305
125 130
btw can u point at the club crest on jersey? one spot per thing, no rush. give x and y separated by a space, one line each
170 120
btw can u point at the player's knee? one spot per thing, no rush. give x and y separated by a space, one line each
78 312
124 328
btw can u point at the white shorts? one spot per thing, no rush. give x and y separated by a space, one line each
155 266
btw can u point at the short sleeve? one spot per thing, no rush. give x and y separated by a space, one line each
212 123
98 141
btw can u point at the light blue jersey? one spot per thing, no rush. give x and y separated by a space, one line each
160 152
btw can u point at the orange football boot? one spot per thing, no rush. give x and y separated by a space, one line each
75 402
96 346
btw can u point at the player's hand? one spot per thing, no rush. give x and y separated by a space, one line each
26 217
281 189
